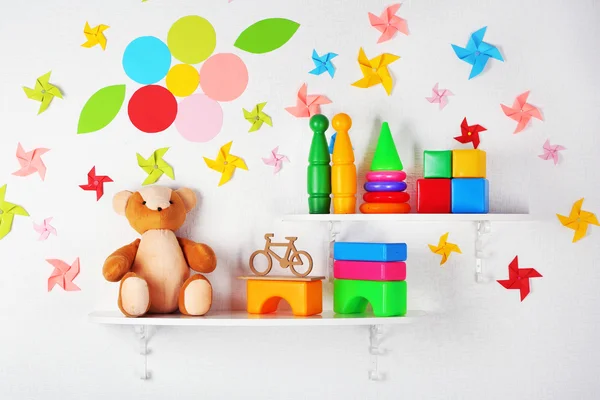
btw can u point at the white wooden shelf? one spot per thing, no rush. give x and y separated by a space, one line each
409 217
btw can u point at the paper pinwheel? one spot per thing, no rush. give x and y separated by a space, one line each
477 53
518 278
225 163
257 117
307 105
63 275
276 160
95 36
388 23
7 213
155 166
96 183
45 229
521 111
332 142
439 96
551 151
444 248
323 63
375 71
43 92
578 220
469 133
31 162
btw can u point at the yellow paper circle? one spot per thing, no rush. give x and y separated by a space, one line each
192 39
182 80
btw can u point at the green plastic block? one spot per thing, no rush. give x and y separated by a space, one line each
437 164
386 156
387 298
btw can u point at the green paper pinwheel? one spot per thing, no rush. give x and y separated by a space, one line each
43 92
257 117
7 213
155 166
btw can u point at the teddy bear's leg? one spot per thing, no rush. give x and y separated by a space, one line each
134 296
195 296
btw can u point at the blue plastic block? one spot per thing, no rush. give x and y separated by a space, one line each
356 251
470 196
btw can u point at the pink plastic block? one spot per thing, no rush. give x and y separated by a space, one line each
369 270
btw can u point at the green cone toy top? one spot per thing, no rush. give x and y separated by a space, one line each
386 156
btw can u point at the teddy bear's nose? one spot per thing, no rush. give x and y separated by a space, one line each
159 208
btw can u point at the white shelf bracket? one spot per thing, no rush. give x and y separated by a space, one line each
483 228
376 334
142 334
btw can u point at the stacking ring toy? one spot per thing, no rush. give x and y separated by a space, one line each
385 208
386 197
385 186
386 176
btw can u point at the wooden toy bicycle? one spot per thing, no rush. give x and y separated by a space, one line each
291 259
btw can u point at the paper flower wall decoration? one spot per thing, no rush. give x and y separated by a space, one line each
43 91
225 163
257 117
375 71
477 53
521 111
518 278
7 213
469 133
155 166
444 248
578 220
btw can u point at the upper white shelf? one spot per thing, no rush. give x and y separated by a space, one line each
409 217
240 318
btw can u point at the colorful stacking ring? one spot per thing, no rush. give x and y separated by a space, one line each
386 197
385 208
385 186
386 176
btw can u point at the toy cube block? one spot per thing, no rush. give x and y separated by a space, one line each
304 297
358 251
369 270
437 164
434 196
470 196
387 298
468 163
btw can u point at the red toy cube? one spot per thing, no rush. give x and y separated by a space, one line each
434 196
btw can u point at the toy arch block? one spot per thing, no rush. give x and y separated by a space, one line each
305 297
387 298
437 164
468 163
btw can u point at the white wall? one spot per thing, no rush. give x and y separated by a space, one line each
477 341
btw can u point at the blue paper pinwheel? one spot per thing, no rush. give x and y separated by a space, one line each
477 53
323 63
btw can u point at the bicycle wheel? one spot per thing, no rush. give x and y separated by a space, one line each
269 263
297 259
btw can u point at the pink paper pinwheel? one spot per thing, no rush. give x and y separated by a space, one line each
307 105
276 160
63 275
45 229
521 111
551 151
388 23
439 96
31 162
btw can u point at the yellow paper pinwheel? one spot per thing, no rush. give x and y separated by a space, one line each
225 163
155 166
7 213
256 117
95 35
375 71
578 220
444 248
43 92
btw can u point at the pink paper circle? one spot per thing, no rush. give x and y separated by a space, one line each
199 119
223 77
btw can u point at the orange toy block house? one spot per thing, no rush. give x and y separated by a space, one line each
304 295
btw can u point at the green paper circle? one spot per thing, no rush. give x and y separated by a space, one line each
192 39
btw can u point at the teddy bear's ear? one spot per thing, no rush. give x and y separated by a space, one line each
120 201
189 198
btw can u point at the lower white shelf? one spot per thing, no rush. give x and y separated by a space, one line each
242 318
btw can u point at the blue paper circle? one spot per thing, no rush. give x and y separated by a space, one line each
385 186
147 60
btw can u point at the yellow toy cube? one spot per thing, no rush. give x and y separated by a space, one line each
468 163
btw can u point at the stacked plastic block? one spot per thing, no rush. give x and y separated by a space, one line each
372 273
453 182
385 184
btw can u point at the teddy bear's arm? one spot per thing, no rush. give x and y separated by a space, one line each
119 263
199 256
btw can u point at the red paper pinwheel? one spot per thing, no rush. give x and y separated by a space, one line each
518 278
470 133
96 183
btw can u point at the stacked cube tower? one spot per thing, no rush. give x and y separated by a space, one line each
453 182
372 273
385 184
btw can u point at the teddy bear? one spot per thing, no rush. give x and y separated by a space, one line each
154 271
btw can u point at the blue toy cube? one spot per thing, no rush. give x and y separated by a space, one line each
360 251
470 196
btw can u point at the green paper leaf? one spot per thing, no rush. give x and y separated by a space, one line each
101 109
266 35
